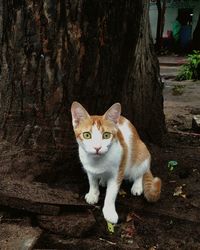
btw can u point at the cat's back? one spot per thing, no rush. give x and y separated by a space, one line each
137 150
128 131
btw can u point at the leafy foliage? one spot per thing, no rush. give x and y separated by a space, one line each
191 70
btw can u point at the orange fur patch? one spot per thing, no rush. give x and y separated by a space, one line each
101 123
139 150
122 165
152 187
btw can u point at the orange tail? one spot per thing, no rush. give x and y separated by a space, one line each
152 187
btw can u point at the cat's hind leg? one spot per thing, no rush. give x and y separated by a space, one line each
137 188
137 175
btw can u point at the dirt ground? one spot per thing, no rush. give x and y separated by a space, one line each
35 216
181 100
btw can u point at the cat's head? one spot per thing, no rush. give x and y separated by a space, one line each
95 134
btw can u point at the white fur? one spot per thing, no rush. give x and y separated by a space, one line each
132 172
92 196
89 145
102 165
137 187
136 171
104 168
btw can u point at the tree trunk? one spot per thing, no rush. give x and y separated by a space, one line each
160 23
163 18
95 52
196 36
159 9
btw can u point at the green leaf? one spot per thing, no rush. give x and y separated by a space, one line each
111 227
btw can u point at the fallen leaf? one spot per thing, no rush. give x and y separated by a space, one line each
128 231
183 195
122 193
152 248
132 216
111 227
179 192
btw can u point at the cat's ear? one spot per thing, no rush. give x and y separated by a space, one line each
113 113
78 113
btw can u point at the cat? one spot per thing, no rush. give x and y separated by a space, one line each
111 150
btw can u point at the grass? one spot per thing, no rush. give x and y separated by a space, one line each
178 89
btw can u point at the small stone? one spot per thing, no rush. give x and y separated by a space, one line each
14 236
196 123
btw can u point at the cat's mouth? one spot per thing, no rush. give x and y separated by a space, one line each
98 154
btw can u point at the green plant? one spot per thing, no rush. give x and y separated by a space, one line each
172 165
178 89
191 70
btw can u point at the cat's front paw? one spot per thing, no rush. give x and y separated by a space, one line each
92 198
110 215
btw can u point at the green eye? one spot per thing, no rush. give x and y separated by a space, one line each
106 135
87 135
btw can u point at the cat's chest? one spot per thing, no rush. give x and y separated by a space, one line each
108 163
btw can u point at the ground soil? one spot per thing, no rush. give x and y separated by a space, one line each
33 221
181 100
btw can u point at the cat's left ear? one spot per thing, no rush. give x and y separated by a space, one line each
113 113
78 113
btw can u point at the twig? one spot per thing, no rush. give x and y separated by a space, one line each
107 241
185 133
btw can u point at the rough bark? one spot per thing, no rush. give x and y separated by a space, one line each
160 23
95 52
196 37
158 4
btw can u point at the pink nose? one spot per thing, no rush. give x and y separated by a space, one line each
97 149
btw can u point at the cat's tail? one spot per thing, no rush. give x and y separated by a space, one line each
152 187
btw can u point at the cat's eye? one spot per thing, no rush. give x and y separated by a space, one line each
106 135
87 135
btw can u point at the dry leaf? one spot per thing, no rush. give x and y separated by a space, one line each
122 193
128 231
152 248
179 192
131 216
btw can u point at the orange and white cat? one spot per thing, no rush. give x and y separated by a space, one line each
111 150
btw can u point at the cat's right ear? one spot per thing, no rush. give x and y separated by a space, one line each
78 113
113 113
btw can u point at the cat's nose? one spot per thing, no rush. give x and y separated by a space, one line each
97 149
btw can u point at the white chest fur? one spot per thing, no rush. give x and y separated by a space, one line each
102 164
